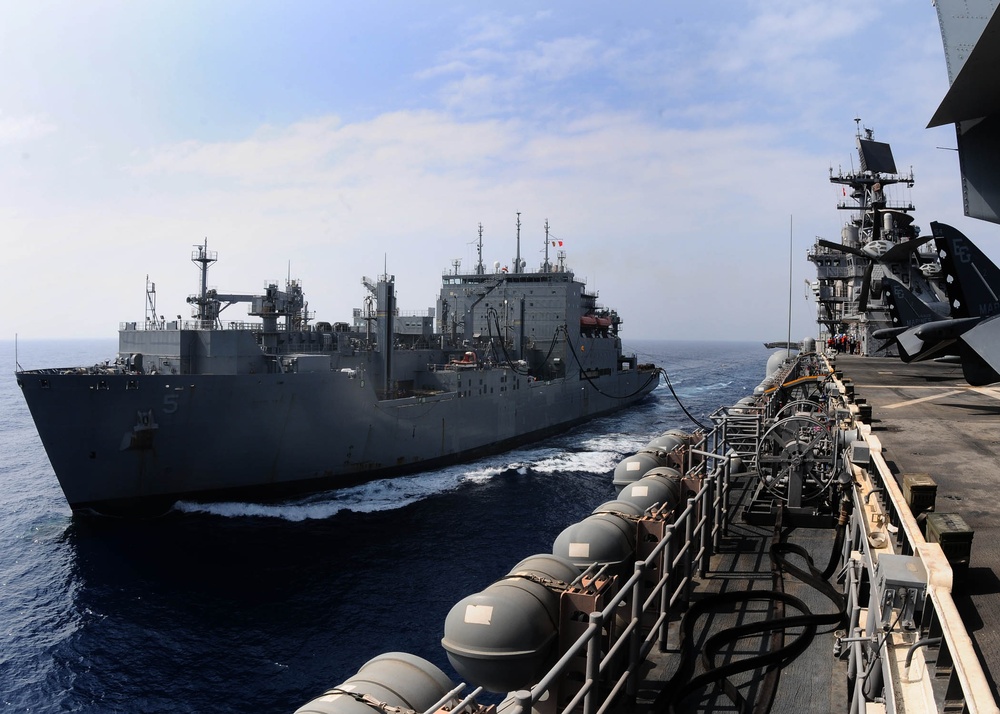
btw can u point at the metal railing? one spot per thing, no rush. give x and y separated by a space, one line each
684 550
927 663
939 656
885 524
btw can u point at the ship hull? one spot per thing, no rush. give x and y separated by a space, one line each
125 444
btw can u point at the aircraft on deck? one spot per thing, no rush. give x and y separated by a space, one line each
972 332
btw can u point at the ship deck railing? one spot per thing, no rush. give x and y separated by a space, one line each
194 324
929 667
684 551
839 272
200 325
940 660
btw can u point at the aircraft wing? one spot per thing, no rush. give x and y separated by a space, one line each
980 352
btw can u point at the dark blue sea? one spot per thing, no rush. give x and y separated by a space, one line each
235 606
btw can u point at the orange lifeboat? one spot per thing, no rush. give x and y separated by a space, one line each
469 359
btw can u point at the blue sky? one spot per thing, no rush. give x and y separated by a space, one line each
669 146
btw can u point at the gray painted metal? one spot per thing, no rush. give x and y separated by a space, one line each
202 410
969 32
879 240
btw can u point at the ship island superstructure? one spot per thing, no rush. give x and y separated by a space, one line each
879 240
204 409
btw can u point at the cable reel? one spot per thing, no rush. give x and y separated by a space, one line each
796 460
799 406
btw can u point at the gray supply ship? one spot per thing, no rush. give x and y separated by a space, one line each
205 410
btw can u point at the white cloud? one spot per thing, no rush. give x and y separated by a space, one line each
670 175
25 128
560 58
495 29
782 35
497 70
626 195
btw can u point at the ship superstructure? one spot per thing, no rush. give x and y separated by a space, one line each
878 240
206 409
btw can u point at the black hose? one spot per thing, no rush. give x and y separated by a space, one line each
655 375
506 356
677 399
682 685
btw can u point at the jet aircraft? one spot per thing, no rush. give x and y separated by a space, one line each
972 332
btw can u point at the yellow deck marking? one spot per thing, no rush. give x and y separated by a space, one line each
987 391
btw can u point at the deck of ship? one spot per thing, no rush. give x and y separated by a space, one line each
870 617
929 421
813 681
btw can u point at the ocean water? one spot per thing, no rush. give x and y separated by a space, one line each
238 606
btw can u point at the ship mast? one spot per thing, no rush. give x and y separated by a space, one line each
480 268
868 187
205 258
849 275
517 260
546 268
152 321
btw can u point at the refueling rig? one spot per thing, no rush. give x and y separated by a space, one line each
698 588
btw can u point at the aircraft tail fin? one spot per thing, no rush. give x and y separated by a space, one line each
905 308
972 279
